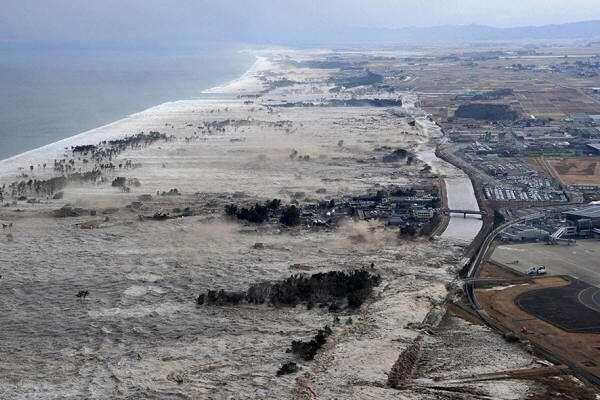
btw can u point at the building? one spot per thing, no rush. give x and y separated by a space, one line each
594 148
591 212
423 213
586 119
395 220
523 233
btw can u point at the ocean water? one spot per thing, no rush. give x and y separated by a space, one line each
50 94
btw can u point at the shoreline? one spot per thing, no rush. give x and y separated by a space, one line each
242 83
206 94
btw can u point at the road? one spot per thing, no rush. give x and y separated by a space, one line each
590 297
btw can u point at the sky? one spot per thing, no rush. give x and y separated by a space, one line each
61 21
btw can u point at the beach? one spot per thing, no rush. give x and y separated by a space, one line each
51 94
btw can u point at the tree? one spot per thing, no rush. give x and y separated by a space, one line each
498 218
273 204
408 230
290 216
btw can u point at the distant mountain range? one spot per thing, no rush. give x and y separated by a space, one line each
586 30
576 30
324 35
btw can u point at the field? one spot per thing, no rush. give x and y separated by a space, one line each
577 170
541 93
556 102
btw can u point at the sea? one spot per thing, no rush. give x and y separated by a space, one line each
48 94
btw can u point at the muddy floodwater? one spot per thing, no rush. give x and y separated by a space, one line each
462 197
459 191
99 283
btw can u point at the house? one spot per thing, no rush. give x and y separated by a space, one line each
423 213
395 220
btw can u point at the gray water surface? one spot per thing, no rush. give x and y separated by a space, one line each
50 94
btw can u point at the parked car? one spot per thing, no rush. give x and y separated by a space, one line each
536 270
541 270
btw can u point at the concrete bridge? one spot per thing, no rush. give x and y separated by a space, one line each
464 212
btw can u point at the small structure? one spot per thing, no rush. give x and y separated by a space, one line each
395 220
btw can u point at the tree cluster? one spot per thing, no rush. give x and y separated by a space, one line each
257 214
99 155
404 192
40 187
308 350
261 212
336 288
290 216
396 155
288 368
484 111
408 230
220 298
494 94
355 79
119 181
499 218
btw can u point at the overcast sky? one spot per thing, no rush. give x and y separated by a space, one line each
131 20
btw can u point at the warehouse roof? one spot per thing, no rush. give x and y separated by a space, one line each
592 211
595 146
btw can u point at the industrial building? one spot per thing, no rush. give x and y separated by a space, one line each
524 233
594 147
590 212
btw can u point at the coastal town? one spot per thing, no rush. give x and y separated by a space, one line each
333 224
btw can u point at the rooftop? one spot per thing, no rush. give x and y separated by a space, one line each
592 211
595 146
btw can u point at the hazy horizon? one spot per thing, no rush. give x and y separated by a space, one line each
262 21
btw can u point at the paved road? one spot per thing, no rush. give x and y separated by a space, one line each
590 297
580 260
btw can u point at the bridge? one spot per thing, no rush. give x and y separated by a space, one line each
463 212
